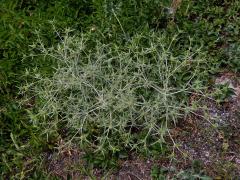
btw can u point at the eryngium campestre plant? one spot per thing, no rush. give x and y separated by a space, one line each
110 97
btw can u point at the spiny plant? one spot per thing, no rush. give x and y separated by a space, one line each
111 97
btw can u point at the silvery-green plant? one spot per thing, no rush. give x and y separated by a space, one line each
109 96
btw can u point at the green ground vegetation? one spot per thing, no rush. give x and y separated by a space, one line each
39 85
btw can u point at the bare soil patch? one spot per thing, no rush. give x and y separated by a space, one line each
215 141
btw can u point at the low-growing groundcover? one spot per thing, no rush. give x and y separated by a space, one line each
123 28
112 97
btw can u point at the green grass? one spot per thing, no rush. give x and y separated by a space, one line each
117 30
